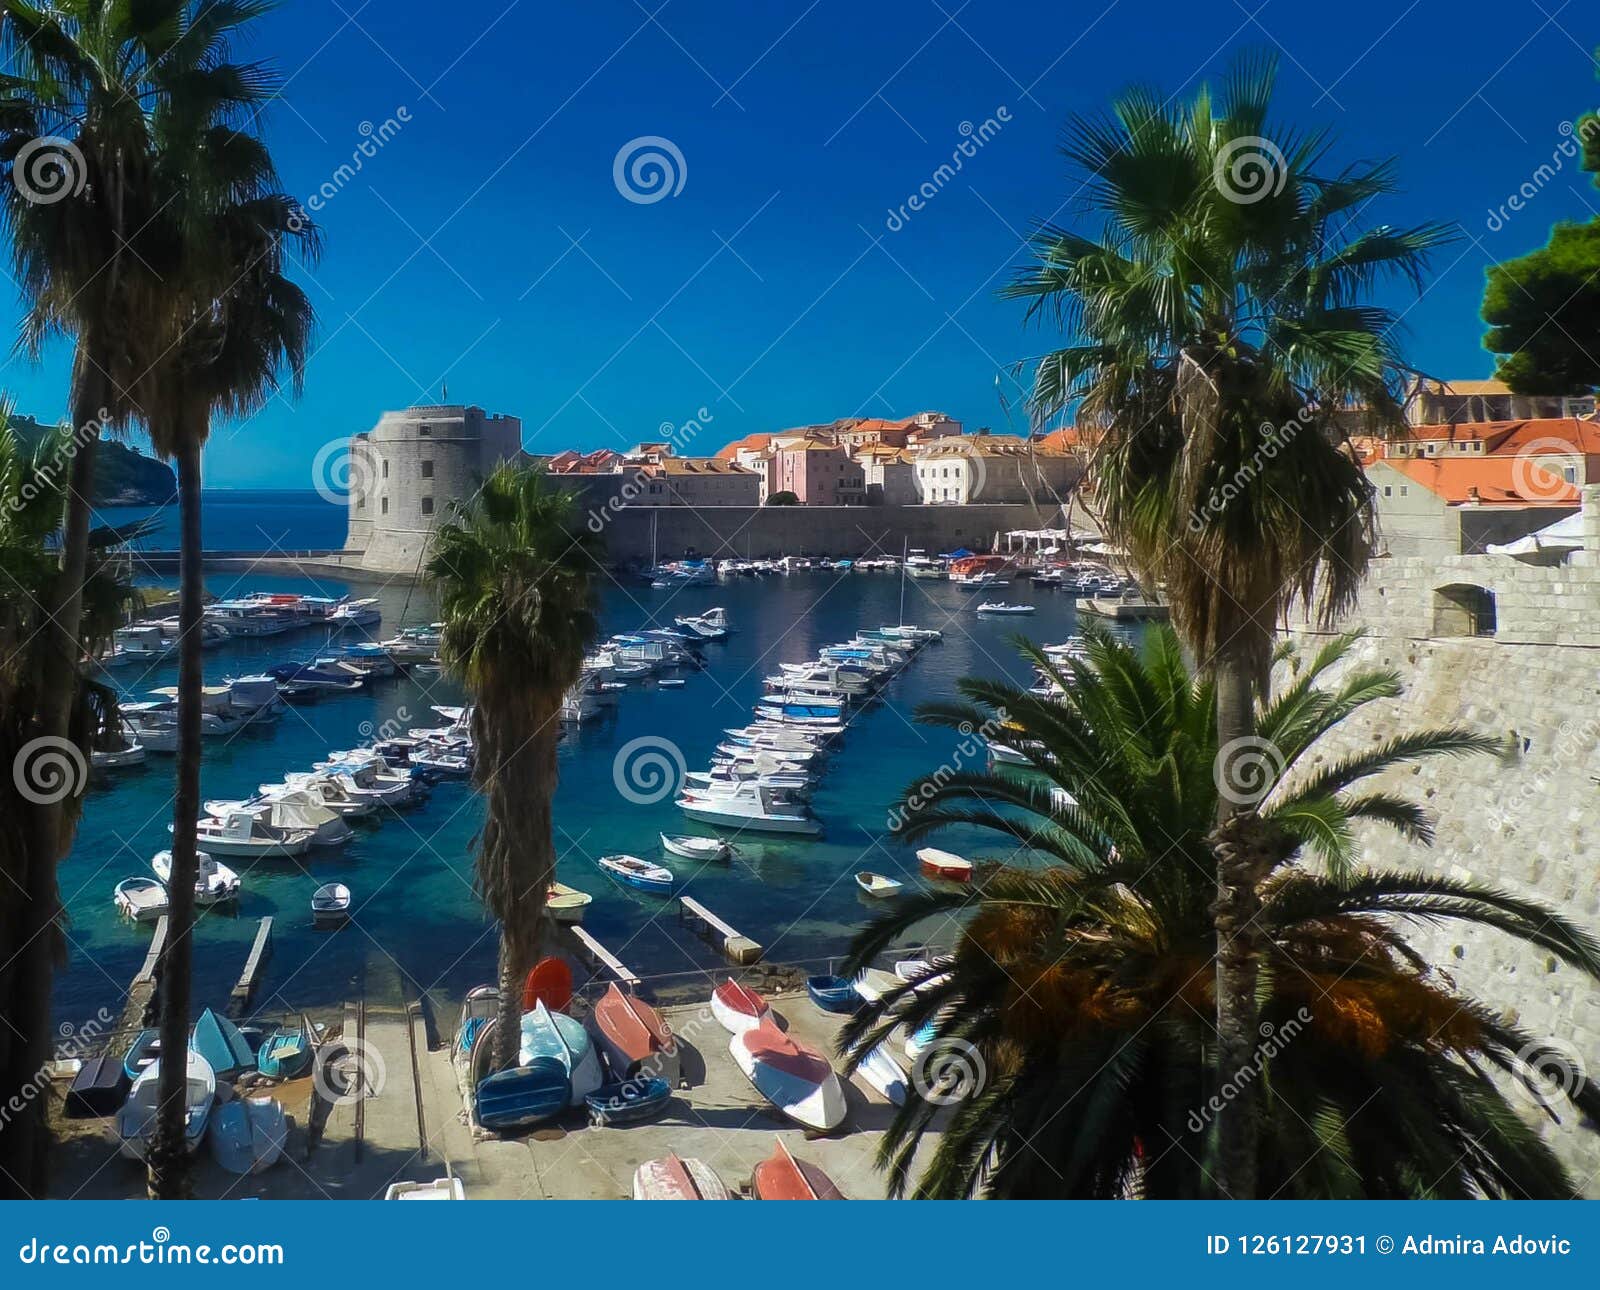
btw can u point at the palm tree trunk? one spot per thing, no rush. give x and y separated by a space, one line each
45 826
516 747
1238 903
169 1163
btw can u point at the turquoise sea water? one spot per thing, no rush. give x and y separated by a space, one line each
415 910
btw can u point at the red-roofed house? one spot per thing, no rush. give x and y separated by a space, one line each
1434 507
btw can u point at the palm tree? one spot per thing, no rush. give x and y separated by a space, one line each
87 82
237 322
513 569
1082 984
1220 331
33 486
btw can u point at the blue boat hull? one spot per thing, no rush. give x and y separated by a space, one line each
631 1102
284 1055
524 1096
833 993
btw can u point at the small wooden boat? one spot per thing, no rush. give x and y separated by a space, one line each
795 1078
693 848
330 905
218 1040
143 900
737 1007
554 1034
286 1054
944 866
834 993
566 904
248 1134
635 1038
141 1054
641 874
997 607
877 884
880 1070
136 1121
781 1177
525 1095
447 1188
549 981
633 1101
676 1178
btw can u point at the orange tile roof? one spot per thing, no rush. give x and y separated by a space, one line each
1067 439
877 424
1544 434
754 441
1495 480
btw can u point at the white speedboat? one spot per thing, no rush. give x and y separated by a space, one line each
356 613
729 776
292 810
129 752
359 783
213 883
141 900
693 848
242 834
749 807
326 791
136 1121
996 607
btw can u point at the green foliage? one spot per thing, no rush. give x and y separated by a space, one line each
122 475
1082 981
1543 310
785 498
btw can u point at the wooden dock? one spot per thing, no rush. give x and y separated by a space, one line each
598 953
260 952
736 947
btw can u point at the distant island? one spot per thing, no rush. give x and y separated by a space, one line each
123 476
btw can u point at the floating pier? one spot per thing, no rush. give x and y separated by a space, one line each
598 953
736 947
260 952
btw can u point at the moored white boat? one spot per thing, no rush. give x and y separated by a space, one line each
944 865
140 899
213 883
330 904
996 607
634 872
693 848
749 806
242 834
878 884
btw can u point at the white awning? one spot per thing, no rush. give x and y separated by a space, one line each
1565 534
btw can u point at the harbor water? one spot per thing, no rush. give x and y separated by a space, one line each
416 919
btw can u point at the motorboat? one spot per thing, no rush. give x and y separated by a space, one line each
248 1134
365 612
944 865
797 711
255 697
635 1038
213 883
141 900
782 1177
640 874
325 790
295 809
675 1177
566 904
143 643
730 775
996 607
791 1075
879 885
128 751
749 806
242 834
694 848
136 1121
156 731
554 1034
415 644
359 784
303 677
738 1008
330 905
1005 755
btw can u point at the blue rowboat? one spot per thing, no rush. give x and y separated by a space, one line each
631 1102
144 1050
833 993
641 874
524 1096
284 1055
562 1038
218 1040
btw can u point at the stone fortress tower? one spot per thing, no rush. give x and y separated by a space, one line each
407 469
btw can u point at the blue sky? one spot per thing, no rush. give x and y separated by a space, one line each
487 245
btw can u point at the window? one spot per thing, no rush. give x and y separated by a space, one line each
1387 491
386 468
427 470
425 431
384 505
361 501
1405 490
1463 610
427 506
